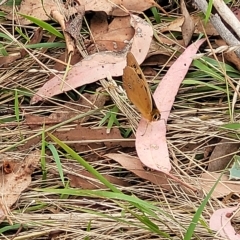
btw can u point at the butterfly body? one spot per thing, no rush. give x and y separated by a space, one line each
138 91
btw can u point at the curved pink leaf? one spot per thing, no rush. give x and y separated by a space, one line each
99 65
220 222
151 144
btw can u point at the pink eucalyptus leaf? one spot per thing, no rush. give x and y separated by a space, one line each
99 65
151 144
220 222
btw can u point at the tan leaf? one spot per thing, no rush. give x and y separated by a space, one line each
188 25
16 179
85 180
222 155
134 165
115 37
198 22
224 186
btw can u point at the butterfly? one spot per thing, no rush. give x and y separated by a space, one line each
137 89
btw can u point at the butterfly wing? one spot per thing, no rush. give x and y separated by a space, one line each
137 92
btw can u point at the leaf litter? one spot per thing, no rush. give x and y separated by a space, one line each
188 129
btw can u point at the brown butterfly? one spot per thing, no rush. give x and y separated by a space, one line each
138 91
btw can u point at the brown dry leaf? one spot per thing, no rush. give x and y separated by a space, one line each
60 66
83 139
198 22
188 24
149 71
158 60
134 165
14 178
229 56
56 234
69 110
35 9
99 23
224 186
112 37
86 180
4 61
222 155
100 64
112 7
159 55
70 42
155 46
37 38
74 24
86 138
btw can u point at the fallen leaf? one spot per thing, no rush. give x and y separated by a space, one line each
37 37
95 138
220 222
112 7
135 166
35 9
188 25
149 71
69 110
198 22
100 64
83 139
9 59
85 180
74 24
113 38
70 42
99 23
12 183
222 155
158 60
151 144
224 187
59 64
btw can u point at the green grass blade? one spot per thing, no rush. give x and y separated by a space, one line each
3 51
197 215
44 25
208 70
156 14
231 126
58 161
43 154
12 227
16 106
84 163
196 82
46 45
208 12
19 30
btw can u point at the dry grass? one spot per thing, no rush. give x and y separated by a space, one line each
193 124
